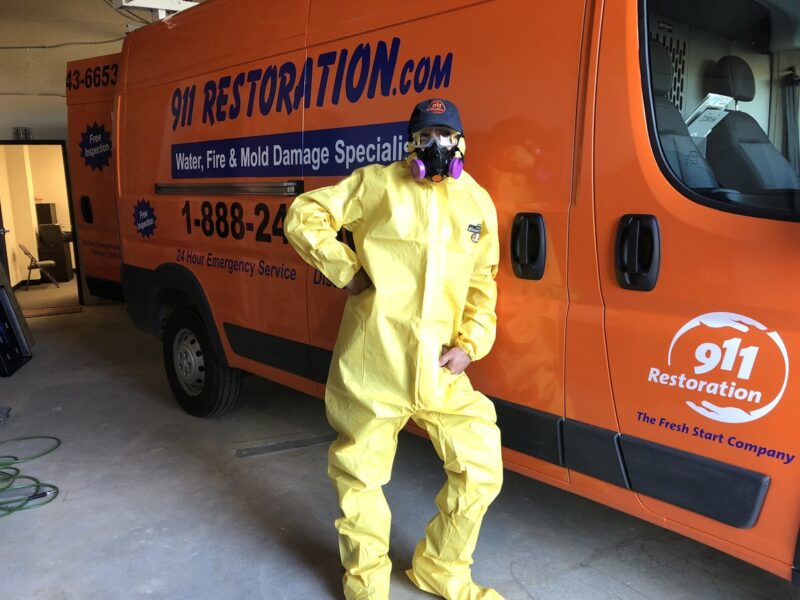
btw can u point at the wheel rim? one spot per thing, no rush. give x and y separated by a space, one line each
190 365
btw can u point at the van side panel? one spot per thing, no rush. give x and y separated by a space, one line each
214 35
590 418
93 147
703 364
187 101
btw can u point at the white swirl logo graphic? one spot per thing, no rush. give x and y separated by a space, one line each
727 371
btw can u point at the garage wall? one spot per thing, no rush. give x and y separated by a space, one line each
7 209
32 80
19 212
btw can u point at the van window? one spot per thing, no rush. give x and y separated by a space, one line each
722 95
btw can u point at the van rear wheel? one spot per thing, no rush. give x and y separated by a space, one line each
203 386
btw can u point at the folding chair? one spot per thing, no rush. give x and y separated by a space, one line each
38 264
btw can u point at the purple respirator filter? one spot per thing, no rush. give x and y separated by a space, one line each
418 170
456 167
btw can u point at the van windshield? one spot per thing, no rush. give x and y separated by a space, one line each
725 84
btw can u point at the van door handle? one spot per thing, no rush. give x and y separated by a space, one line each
528 245
638 252
86 210
4 231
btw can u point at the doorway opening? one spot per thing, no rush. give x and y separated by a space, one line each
36 227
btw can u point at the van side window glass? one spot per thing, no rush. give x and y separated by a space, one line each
724 92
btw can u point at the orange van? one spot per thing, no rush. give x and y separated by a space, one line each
91 84
643 158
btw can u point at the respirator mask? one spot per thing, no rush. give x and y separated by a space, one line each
439 154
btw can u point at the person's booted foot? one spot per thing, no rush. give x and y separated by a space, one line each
450 586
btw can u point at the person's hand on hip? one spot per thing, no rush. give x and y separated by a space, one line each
455 359
358 283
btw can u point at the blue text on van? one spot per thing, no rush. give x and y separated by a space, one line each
332 75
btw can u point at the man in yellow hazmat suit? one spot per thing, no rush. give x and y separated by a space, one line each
421 308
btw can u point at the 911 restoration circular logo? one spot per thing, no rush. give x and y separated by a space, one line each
727 367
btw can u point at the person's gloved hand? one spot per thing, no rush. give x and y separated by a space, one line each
358 283
455 359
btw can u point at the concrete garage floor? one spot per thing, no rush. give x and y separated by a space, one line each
156 504
47 295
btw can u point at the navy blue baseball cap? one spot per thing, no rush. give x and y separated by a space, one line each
435 112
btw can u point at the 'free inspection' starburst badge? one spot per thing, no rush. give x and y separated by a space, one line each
144 218
96 146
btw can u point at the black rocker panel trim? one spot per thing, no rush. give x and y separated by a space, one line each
104 288
137 284
532 432
287 355
718 490
278 352
320 363
593 451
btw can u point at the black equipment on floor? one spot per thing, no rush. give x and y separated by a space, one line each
15 341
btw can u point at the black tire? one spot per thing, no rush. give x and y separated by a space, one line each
203 386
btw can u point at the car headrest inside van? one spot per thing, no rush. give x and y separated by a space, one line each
661 65
733 77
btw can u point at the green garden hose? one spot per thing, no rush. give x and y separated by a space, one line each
15 460
21 492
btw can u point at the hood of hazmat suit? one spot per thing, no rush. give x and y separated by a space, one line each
431 251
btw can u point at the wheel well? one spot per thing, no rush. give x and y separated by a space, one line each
168 301
174 287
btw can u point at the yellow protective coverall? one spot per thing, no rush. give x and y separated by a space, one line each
431 251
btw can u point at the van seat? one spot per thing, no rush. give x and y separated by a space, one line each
741 154
682 154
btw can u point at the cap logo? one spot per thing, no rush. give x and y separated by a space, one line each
437 107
